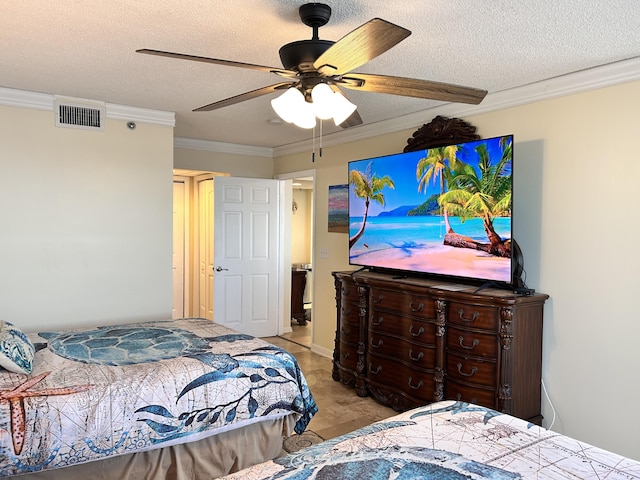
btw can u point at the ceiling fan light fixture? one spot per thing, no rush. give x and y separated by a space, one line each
292 106
323 101
305 116
289 104
342 108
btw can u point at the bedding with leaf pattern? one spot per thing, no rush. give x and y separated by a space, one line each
105 391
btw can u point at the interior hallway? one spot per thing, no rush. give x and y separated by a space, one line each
340 409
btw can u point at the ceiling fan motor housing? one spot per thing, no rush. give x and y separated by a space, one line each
300 55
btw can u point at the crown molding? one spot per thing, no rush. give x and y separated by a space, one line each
44 101
25 99
144 115
577 82
222 147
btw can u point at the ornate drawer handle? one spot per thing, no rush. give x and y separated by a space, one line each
380 342
345 355
473 319
377 370
378 299
473 371
476 342
415 387
420 331
416 309
379 322
415 359
346 331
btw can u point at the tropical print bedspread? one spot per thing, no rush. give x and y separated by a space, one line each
448 441
111 390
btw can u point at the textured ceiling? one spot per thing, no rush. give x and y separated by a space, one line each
86 49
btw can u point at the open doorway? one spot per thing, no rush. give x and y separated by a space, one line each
194 230
302 228
193 243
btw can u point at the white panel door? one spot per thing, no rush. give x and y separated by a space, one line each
246 255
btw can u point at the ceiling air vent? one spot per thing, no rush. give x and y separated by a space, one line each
88 116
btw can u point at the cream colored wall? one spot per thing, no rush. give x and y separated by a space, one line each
86 221
238 165
576 163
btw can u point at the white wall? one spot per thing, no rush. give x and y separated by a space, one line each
576 163
86 221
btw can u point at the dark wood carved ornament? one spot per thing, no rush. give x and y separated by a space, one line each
439 132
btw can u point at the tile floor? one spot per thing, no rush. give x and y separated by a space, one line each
340 409
300 334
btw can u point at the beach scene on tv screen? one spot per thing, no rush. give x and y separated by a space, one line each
444 210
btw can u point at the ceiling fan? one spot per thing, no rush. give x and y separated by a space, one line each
309 63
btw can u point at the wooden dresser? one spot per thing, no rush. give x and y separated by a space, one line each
412 341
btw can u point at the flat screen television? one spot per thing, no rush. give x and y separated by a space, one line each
443 211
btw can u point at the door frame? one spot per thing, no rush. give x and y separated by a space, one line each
286 193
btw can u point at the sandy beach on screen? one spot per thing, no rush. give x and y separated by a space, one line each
443 259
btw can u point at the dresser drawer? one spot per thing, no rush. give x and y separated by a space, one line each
403 302
411 329
472 316
401 377
416 355
349 292
350 312
472 343
348 356
471 370
349 333
463 393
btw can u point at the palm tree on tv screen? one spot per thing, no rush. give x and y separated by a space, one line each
369 187
485 196
437 167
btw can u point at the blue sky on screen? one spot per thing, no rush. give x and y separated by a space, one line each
401 168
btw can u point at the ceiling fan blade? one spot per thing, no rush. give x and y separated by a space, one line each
413 87
280 71
359 46
245 96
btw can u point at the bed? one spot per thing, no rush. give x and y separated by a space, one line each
448 440
163 399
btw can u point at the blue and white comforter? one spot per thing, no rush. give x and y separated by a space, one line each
448 441
107 391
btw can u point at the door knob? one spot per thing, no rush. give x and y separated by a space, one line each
219 269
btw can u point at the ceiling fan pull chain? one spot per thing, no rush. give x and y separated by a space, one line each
320 140
313 145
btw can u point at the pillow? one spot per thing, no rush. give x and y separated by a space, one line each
16 351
